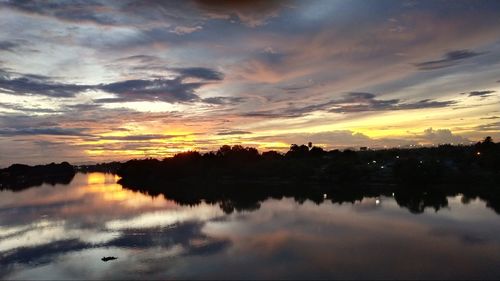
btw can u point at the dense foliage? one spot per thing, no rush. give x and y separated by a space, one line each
19 176
426 165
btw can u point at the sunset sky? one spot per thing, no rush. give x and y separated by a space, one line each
92 81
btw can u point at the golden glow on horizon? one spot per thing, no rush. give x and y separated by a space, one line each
105 186
377 126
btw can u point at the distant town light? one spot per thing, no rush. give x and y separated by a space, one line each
397 156
393 194
324 195
478 153
381 167
377 202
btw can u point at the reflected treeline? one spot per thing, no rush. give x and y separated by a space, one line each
239 178
18 177
249 196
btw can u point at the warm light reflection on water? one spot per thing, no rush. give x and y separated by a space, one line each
62 232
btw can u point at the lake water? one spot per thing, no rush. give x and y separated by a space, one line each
63 231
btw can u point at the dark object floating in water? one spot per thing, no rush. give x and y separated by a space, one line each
109 258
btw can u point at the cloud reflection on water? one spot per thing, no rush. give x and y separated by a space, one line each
63 231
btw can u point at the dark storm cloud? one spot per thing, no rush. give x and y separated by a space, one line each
55 131
352 103
449 59
480 93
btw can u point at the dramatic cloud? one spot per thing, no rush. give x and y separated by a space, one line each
114 79
168 90
449 59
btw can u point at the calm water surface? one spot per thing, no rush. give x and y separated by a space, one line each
63 231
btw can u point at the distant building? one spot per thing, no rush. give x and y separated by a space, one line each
363 148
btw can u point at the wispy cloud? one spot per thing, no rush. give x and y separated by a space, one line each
490 127
18 107
481 94
224 100
352 103
449 59
233 132
251 13
79 11
56 131
8 46
139 137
